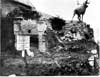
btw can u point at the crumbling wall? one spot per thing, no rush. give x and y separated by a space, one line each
70 46
10 10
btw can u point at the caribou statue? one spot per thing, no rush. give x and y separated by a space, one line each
80 11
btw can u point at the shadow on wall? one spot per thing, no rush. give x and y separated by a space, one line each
7 34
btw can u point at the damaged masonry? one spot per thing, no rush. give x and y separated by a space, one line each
38 44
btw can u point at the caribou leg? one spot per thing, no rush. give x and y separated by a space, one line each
73 16
79 18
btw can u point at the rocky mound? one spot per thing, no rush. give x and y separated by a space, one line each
70 45
69 56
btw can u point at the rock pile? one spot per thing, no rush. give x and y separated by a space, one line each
70 48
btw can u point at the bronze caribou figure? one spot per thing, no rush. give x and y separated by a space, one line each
80 11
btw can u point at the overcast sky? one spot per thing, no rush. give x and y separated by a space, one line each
64 9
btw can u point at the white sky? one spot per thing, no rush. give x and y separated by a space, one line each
64 9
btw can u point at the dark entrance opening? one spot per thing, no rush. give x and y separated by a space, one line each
34 41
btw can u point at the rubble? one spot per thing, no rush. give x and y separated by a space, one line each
69 46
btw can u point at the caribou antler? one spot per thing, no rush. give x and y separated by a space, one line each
87 2
78 2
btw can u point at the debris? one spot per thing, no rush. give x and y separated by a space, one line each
69 45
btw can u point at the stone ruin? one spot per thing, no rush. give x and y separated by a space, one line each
26 31
54 46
